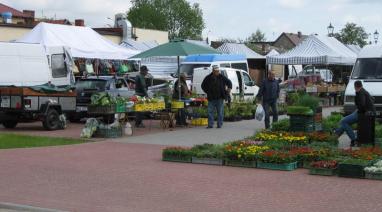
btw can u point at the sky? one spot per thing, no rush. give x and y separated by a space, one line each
231 18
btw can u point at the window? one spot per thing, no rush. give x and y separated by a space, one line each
247 79
242 66
90 84
189 68
120 84
368 68
225 65
58 66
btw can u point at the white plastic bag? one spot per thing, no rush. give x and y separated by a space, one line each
259 115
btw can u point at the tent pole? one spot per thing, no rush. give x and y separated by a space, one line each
179 85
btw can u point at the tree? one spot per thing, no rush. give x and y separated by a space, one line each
352 34
178 17
258 36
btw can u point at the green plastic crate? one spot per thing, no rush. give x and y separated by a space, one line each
120 108
277 166
351 170
373 176
323 172
177 159
247 164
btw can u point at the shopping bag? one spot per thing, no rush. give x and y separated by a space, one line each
259 115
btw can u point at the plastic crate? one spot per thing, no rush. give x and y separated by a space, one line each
323 172
120 108
208 161
177 159
276 166
115 132
199 122
177 104
239 163
97 109
373 176
351 170
139 107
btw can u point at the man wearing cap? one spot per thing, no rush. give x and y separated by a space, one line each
140 90
217 87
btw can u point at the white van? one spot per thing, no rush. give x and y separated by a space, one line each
23 64
368 69
242 84
191 62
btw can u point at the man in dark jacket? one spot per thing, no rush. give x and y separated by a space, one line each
269 92
365 105
217 87
180 116
140 90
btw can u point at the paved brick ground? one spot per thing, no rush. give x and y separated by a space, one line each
110 176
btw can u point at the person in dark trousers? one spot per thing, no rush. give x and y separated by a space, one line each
365 105
217 87
140 90
269 93
184 92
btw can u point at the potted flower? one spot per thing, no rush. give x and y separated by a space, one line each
277 160
304 156
324 167
242 153
208 154
374 171
322 137
177 154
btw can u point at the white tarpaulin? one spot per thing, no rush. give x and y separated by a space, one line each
239 48
316 50
84 42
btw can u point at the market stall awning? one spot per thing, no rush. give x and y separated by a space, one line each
239 48
140 46
176 48
84 42
316 50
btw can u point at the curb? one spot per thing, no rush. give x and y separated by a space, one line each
17 207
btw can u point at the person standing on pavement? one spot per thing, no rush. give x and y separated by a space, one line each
217 87
365 105
140 90
184 92
269 93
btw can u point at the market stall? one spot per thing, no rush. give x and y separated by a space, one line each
319 51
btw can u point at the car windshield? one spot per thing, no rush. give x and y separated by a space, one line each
368 68
189 68
91 84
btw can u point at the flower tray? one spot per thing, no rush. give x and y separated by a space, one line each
322 171
177 159
238 163
275 166
97 109
373 176
208 161
115 132
351 170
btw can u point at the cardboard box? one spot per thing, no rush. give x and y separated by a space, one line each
311 89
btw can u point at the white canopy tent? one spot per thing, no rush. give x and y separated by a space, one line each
239 48
84 42
316 50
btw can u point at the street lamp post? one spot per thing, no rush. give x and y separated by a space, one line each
376 35
330 30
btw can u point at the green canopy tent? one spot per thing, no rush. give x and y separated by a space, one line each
176 48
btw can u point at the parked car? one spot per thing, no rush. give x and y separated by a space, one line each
315 74
157 85
86 87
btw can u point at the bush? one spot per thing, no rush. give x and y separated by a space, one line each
281 125
208 151
308 101
331 122
299 110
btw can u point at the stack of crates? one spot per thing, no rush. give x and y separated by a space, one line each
300 123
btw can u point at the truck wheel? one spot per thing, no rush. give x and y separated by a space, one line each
9 124
51 120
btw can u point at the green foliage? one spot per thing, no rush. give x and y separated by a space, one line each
102 99
308 101
8 141
353 161
352 34
258 36
281 125
181 19
378 130
299 110
331 122
208 151
178 152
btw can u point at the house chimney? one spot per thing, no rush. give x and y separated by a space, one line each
79 22
299 34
